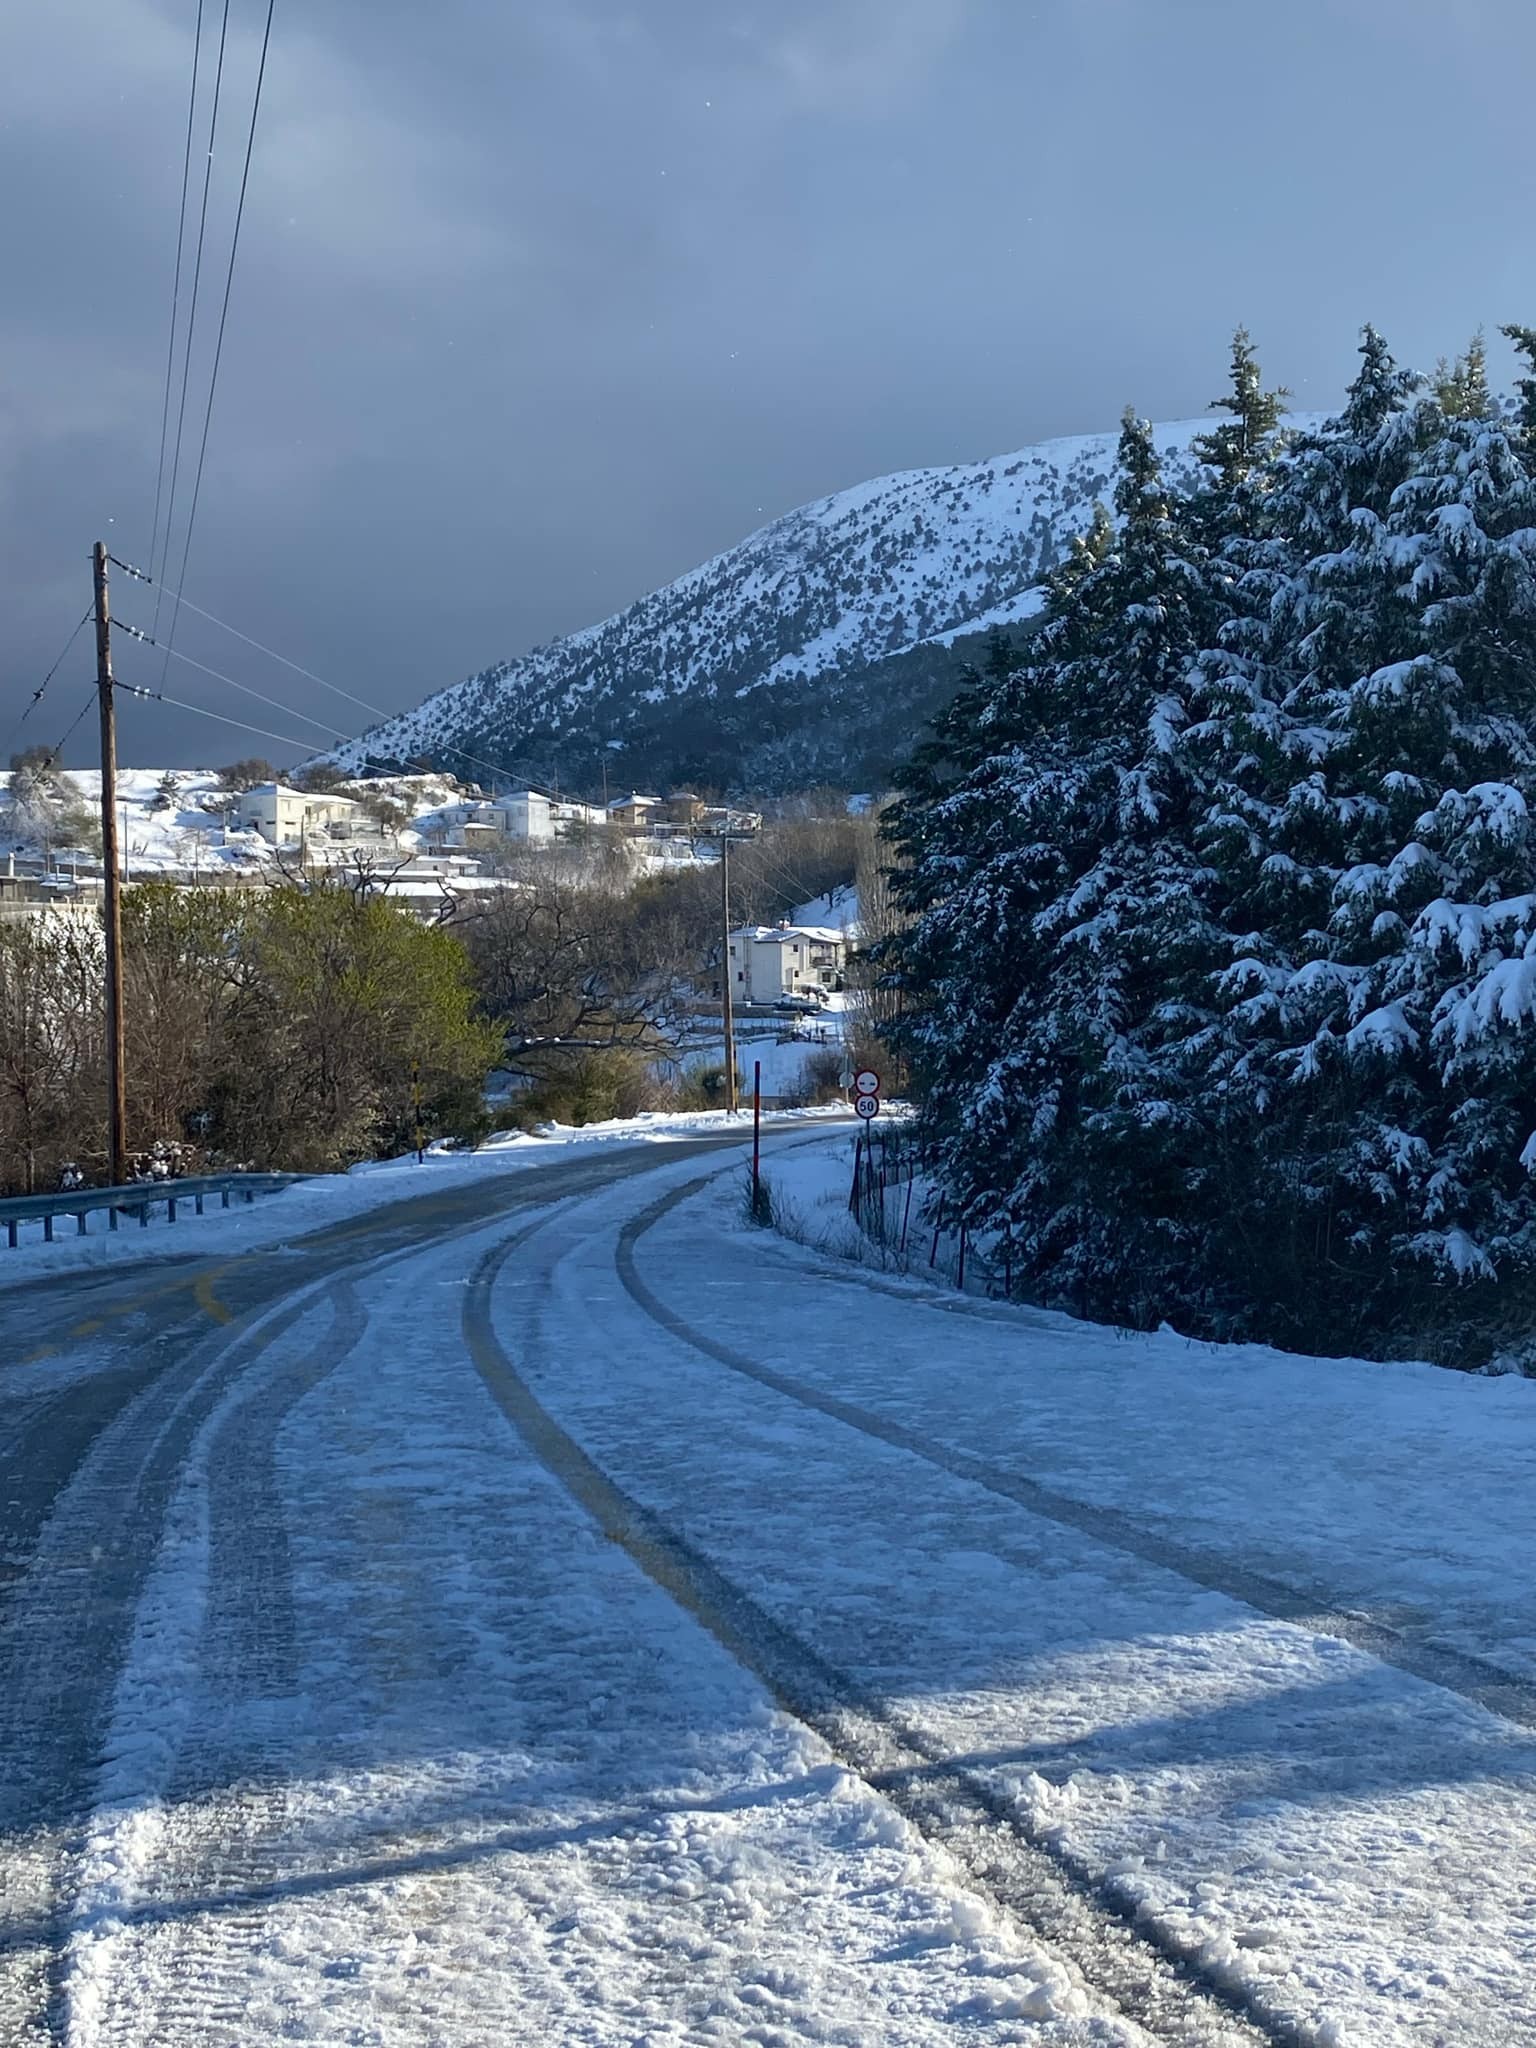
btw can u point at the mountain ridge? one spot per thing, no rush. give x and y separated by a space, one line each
815 648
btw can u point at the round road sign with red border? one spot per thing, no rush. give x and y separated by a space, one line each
866 1082
866 1106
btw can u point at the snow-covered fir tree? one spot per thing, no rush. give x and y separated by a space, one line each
1383 1132
1057 904
1306 619
1223 962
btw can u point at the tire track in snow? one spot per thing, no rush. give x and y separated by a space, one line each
71 1615
70 1620
1148 1977
227 1853
1484 1684
225 1799
230 1859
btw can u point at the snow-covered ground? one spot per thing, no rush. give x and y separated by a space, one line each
837 909
189 837
1349 1843
428 1728
781 1048
180 837
472 1778
1402 1488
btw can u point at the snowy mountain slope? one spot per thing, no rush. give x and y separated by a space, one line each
709 677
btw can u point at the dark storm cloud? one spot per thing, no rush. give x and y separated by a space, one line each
540 304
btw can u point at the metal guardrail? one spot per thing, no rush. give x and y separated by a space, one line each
137 1200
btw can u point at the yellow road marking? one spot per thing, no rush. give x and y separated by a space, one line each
202 1288
207 1300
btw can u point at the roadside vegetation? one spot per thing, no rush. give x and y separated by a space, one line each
266 1028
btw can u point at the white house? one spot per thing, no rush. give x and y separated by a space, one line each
284 816
769 962
526 814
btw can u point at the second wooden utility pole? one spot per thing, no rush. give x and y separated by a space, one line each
112 903
727 1014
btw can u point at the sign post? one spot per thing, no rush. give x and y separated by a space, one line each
866 1107
757 1131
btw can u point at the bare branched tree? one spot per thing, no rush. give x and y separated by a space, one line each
51 1050
563 968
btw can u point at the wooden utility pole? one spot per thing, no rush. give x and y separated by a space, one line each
727 1014
112 905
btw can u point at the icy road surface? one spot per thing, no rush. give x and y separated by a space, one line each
548 1611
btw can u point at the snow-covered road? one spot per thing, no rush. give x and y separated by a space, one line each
559 1613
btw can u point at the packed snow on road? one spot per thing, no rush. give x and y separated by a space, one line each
614 1623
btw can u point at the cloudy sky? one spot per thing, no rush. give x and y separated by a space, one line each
540 303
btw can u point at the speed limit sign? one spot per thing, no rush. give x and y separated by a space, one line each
866 1106
866 1082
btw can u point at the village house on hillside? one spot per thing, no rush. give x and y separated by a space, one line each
770 962
283 816
526 815
633 812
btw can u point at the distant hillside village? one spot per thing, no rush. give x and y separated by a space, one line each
426 840
316 966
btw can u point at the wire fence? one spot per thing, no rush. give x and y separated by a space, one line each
907 1223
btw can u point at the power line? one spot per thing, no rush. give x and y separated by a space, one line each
218 349
181 236
245 689
202 711
37 695
297 667
197 273
374 710
80 717
159 697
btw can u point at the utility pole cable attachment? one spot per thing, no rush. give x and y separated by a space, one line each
112 902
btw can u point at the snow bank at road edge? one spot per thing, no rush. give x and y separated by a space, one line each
313 1203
